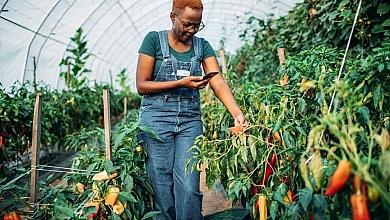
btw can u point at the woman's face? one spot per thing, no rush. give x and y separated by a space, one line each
186 23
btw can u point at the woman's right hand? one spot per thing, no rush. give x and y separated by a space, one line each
193 82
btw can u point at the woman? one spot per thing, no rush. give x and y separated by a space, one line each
169 77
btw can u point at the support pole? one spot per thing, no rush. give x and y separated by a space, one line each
111 81
68 77
36 142
35 74
125 107
282 59
107 123
281 54
223 61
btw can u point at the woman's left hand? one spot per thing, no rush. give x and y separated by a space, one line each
239 120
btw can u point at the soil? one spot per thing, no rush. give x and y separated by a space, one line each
214 200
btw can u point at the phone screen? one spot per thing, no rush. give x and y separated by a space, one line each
209 75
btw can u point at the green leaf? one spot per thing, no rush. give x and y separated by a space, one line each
127 196
108 166
276 126
119 138
129 183
64 210
235 164
377 29
237 188
244 154
288 139
91 168
253 151
384 165
293 211
319 206
150 214
150 132
273 209
89 210
386 23
280 193
302 105
381 67
383 8
115 217
245 188
305 196
301 130
128 214
344 3
378 97
363 114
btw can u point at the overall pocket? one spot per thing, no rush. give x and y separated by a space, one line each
148 103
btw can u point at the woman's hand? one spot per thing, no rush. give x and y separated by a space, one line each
239 120
193 82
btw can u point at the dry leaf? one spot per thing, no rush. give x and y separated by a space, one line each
284 80
307 84
104 176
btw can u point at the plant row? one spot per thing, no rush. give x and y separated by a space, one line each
301 129
63 113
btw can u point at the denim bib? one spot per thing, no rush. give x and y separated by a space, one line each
171 68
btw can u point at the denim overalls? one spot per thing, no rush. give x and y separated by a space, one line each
175 117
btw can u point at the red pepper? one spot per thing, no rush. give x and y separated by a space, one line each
254 189
269 170
2 140
270 140
22 130
12 216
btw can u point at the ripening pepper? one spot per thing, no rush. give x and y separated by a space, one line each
359 207
262 205
339 178
12 216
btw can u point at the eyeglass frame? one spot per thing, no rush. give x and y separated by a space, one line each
200 27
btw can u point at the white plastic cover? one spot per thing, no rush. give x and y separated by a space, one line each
40 30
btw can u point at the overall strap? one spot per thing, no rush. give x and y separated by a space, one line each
198 48
163 36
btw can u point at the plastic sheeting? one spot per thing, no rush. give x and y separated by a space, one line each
34 34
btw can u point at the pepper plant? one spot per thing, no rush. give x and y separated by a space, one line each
73 64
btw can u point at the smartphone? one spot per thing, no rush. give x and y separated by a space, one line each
209 75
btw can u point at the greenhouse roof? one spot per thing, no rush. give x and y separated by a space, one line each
35 33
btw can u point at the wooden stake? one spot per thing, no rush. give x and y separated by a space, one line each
111 81
125 107
107 123
282 58
36 142
223 61
68 77
35 74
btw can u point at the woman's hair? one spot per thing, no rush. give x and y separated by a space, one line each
181 4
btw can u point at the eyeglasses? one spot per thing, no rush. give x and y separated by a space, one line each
187 26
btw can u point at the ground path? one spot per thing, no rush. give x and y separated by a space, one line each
213 200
